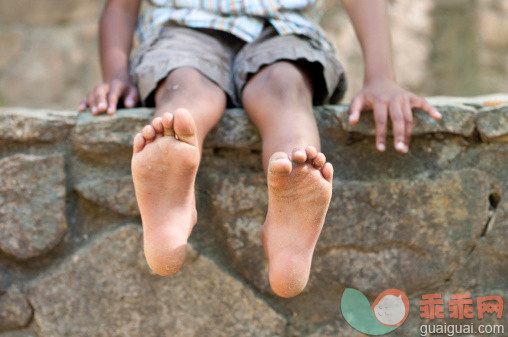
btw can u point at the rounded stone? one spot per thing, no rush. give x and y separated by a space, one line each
32 204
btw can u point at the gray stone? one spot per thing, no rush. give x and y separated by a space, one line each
32 204
234 130
457 119
493 124
35 125
116 194
19 333
406 234
358 159
491 158
105 289
239 203
486 267
15 312
395 221
106 136
338 328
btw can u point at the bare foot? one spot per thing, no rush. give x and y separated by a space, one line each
164 166
299 193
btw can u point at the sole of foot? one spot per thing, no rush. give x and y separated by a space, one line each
299 193
164 164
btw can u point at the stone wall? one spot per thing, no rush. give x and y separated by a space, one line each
49 52
71 259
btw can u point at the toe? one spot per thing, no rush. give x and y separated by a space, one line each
299 155
157 126
319 161
327 172
279 164
148 133
139 143
311 152
167 123
184 126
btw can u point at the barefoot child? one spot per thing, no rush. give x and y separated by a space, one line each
269 56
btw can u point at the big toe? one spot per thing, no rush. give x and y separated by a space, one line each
279 164
184 126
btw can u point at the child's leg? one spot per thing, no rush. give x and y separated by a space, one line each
165 162
278 99
187 88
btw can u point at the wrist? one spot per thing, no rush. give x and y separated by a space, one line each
122 75
115 67
379 72
377 78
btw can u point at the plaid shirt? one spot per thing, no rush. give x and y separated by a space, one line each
243 18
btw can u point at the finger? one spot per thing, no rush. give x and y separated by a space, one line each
421 103
132 97
397 118
380 115
90 100
82 106
100 93
356 108
113 96
408 122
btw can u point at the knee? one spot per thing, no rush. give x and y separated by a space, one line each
281 80
190 84
185 77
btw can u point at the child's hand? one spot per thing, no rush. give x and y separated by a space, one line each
385 98
105 97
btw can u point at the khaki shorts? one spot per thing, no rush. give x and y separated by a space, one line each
229 61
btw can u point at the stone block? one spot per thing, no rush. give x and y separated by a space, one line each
32 204
35 125
106 289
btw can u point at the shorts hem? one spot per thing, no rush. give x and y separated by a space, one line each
148 77
333 78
